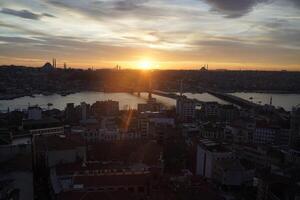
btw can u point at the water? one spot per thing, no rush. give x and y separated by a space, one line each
205 97
286 101
126 100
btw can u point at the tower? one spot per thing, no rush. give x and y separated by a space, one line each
83 111
181 88
150 86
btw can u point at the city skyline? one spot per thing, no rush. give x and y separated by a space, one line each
160 34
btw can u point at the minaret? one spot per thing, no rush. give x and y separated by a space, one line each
181 88
271 100
150 87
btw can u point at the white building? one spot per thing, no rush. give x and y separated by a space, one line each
208 152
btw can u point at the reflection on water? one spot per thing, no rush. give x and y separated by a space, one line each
205 97
286 101
126 100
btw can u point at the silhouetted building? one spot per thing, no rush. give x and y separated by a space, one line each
185 109
105 108
295 129
34 113
151 106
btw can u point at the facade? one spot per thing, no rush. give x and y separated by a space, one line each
43 126
232 173
256 154
150 106
211 109
185 109
208 152
95 176
105 108
265 134
59 130
295 129
228 113
236 134
34 113
212 131
51 150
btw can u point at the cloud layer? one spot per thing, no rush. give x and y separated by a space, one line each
26 14
175 33
234 8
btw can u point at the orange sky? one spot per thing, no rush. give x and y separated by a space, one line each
159 34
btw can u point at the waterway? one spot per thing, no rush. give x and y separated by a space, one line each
286 101
126 100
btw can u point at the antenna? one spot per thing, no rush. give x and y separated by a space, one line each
181 88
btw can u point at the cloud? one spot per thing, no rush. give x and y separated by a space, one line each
296 2
117 9
234 8
26 14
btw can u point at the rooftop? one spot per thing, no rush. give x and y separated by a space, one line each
59 142
112 180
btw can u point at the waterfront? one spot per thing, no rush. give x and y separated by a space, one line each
126 100
286 101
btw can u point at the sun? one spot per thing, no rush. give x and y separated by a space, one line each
145 64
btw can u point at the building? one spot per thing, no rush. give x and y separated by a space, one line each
274 187
210 109
105 108
228 113
256 154
43 126
146 122
233 172
5 136
294 142
265 133
100 176
50 150
34 113
150 106
208 152
190 130
185 109
212 131
239 131
70 113
83 107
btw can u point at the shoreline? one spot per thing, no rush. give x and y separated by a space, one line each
8 97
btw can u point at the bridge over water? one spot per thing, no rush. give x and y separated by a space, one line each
224 96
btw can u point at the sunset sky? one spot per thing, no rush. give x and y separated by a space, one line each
164 34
